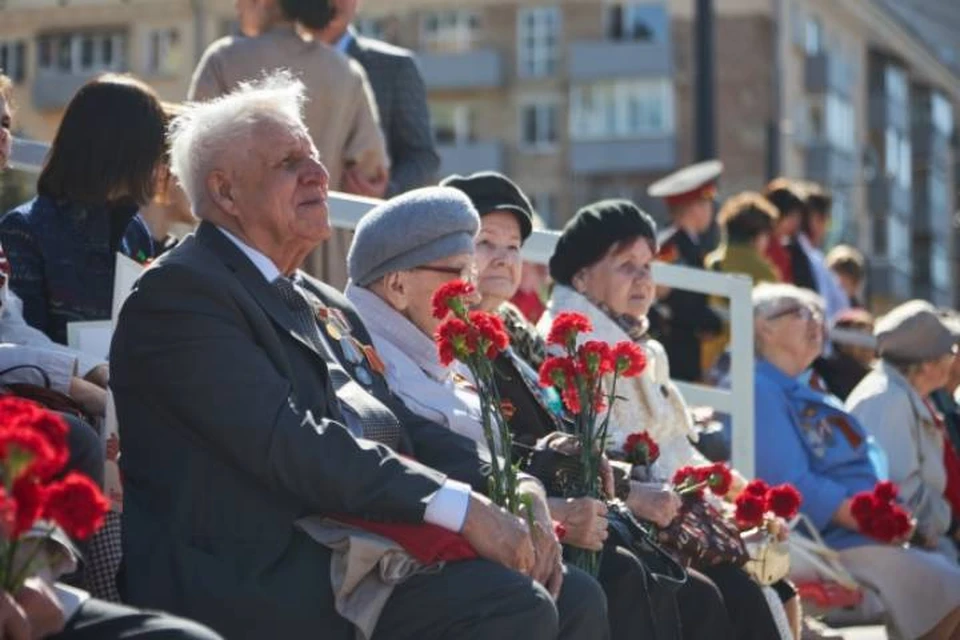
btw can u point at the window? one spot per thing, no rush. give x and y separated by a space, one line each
898 162
13 59
615 109
940 267
164 52
538 34
895 79
538 125
841 123
82 52
545 205
942 114
634 21
452 123
813 37
449 31
898 239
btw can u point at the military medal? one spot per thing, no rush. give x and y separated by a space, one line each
351 353
373 358
363 376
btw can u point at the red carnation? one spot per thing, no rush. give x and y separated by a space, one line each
629 359
27 452
719 478
571 399
757 488
784 500
641 448
453 340
565 328
749 510
29 499
886 491
450 297
54 429
862 507
599 402
902 523
491 331
557 372
559 530
13 410
76 504
684 475
594 357
8 514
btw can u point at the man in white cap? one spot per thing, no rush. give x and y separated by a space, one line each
683 318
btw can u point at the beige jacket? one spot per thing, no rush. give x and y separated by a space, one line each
340 112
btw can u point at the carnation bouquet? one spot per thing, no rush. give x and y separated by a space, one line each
757 508
34 500
578 375
879 516
475 338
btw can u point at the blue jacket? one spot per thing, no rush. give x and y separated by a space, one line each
804 437
62 259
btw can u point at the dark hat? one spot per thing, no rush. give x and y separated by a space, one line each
491 191
595 228
696 182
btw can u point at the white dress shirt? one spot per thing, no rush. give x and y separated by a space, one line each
447 507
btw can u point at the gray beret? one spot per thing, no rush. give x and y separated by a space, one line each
411 230
914 332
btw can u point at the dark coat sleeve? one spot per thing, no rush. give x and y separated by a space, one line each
186 343
410 138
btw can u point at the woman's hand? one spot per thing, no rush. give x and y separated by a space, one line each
778 528
99 375
654 502
92 398
41 607
585 520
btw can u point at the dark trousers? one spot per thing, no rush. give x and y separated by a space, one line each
86 452
99 620
703 614
638 607
479 600
748 609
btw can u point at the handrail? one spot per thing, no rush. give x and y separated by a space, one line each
346 210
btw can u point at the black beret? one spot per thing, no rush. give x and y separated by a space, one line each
491 191
588 236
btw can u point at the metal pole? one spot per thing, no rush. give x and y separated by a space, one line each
705 112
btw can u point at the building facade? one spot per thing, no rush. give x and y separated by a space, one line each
585 99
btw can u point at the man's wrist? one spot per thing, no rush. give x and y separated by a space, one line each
447 507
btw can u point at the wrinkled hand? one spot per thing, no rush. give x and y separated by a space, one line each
548 569
654 502
42 609
355 182
14 624
584 519
498 535
778 528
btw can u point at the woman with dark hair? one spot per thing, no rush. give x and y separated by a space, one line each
101 169
602 269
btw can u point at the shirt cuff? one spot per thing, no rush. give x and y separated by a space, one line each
448 506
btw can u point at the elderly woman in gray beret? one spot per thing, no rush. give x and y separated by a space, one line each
916 348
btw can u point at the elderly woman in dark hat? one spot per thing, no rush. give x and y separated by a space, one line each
602 268
917 349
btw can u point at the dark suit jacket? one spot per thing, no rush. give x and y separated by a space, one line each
228 427
404 116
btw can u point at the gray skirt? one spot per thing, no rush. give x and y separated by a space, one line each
918 588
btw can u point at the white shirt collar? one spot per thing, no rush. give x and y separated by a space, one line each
263 264
344 41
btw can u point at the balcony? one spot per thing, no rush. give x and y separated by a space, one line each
52 90
825 73
827 164
480 69
623 156
611 59
466 157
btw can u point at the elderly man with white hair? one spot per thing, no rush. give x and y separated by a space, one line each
806 438
249 397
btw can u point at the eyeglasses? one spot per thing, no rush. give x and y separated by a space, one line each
467 274
802 311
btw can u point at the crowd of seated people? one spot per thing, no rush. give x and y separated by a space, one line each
285 442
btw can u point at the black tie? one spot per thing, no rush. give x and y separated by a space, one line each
372 417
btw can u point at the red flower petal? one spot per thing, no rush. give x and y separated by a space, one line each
77 505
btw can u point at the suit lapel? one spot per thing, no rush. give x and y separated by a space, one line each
254 282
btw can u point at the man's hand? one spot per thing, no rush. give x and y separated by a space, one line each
657 503
13 621
498 535
548 570
43 610
355 182
585 520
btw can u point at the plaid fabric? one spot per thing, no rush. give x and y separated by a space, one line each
103 561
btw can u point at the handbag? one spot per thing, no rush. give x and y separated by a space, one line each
559 472
625 531
42 394
701 536
769 558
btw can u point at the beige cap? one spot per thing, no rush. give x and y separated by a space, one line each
915 332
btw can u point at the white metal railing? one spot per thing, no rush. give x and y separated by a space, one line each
346 210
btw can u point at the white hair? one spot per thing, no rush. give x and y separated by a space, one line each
770 299
205 131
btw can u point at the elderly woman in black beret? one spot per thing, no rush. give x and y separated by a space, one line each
602 269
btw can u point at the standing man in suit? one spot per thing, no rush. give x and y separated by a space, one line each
399 89
684 318
242 408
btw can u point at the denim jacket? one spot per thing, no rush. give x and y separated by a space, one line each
62 260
